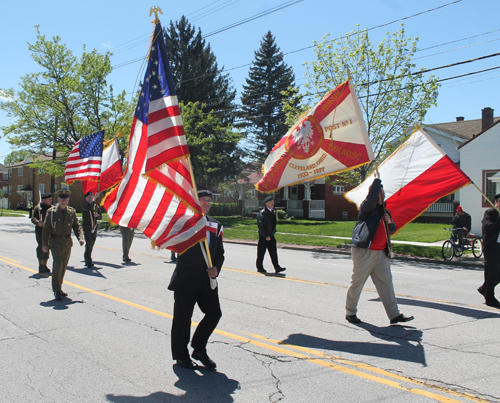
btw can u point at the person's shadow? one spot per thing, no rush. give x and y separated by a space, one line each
402 343
202 385
59 305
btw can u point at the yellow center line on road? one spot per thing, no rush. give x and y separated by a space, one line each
368 367
306 354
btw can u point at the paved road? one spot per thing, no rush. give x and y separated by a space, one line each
281 338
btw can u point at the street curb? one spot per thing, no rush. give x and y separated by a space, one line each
327 249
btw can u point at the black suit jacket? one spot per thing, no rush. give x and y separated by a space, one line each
190 274
266 222
491 229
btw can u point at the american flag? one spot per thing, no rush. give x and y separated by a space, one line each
168 213
84 161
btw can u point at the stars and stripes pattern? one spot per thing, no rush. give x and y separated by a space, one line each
156 194
84 161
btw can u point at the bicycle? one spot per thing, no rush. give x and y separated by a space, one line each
452 247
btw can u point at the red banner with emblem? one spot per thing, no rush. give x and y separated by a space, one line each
329 139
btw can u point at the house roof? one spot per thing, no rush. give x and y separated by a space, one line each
252 179
464 129
477 135
29 161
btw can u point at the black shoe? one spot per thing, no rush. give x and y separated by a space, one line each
64 294
41 269
89 265
280 269
186 363
352 319
127 260
401 318
494 303
46 269
58 295
481 291
262 270
205 359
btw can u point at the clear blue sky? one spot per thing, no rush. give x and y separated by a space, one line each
123 27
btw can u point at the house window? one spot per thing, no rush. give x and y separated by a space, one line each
489 187
20 171
5 190
338 189
19 187
10 190
313 192
10 172
64 186
55 187
5 176
294 193
41 187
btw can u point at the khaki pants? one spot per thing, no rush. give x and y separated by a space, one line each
61 252
377 265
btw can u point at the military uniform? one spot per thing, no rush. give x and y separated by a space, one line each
38 216
89 224
57 236
127 238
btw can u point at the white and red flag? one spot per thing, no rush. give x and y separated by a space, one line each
156 194
415 176
329 139
111 170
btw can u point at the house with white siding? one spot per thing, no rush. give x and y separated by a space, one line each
479 159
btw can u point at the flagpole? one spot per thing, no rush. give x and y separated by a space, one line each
207 249
386 225
488 200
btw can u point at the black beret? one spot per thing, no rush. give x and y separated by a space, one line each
89 194
204 193
46 196
268 199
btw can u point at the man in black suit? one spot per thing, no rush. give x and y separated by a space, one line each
266 222
491 250
191 284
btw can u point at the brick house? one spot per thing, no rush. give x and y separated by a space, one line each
24 184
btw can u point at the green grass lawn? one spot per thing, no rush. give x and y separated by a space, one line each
312 232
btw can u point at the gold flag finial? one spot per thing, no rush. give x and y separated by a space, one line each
155 10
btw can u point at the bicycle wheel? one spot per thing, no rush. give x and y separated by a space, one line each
447 250
459 250
477 248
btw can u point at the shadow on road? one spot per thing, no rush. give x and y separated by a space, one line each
458 310
60 305
407 348
202 385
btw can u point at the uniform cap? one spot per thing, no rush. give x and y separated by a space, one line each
204 193
268 199
89 194
63 193
46 196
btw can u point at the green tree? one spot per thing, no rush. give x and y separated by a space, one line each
196 74
66 100
263 117
393 95
213 146
15 157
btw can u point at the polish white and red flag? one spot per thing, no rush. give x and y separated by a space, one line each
415 176
330 138
111 170
157 194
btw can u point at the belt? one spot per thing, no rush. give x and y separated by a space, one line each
60 236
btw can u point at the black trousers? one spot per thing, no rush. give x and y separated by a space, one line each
184 302
264 245
90 238
491 274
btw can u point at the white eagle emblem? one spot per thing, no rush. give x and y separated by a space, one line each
303 135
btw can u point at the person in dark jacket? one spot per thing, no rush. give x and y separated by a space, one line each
266 222
193 282
370 252
90 215
462 224
37 218
491 250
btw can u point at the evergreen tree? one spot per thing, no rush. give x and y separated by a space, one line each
196 74
262 112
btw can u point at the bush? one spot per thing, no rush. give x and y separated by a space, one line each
223 209
281 214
